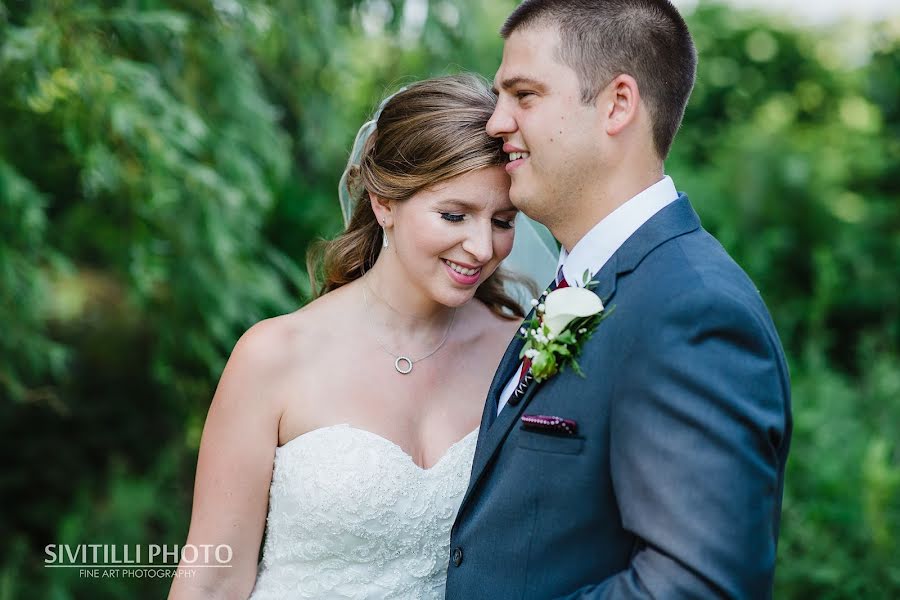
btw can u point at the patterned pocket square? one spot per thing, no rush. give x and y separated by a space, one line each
550 424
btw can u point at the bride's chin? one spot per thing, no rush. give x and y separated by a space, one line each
456 298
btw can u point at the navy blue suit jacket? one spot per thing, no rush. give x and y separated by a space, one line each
672 487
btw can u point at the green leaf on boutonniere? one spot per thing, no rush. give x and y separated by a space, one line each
566 337
543 365
560 349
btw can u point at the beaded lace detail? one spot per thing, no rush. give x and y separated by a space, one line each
352 516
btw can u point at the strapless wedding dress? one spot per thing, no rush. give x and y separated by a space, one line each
352 516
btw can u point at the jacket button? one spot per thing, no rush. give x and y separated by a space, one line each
456 555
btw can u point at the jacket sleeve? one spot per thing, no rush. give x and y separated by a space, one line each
699 432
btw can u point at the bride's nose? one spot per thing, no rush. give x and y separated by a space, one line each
479 242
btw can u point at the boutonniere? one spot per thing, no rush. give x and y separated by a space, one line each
563 321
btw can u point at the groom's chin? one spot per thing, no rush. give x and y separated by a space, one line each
523 202
518 198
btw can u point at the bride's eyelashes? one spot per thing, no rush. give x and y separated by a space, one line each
457 218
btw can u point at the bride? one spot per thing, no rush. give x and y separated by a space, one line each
346 430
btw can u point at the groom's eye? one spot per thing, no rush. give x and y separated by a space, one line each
453 218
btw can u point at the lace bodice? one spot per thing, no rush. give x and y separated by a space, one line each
352 516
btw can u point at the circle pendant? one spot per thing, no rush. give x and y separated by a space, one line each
407 365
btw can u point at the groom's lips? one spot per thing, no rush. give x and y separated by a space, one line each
513 164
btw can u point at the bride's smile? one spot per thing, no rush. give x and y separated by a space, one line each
465 275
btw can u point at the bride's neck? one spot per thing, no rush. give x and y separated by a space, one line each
401 304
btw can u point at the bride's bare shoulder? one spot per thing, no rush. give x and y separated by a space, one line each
260 354
274 343
269 364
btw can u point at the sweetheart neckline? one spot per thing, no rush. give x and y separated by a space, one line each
412 461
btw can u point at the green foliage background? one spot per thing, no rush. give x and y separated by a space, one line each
164 164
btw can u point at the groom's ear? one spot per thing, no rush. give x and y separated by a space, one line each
382 208
620 103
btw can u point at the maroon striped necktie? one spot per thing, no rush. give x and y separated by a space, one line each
526 364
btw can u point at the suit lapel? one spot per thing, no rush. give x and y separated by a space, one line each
506 369
491 439
508 364
676 219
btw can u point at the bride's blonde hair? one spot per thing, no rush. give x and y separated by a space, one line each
431 131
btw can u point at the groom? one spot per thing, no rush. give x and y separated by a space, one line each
667 481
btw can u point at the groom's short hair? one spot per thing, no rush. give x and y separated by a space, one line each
600 39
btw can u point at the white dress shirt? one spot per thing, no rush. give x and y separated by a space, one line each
602 241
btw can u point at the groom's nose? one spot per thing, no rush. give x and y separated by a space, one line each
501 122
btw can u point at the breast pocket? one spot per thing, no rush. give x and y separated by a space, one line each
548 442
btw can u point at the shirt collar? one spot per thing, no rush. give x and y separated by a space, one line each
606 237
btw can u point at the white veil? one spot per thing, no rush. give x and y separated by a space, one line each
535 255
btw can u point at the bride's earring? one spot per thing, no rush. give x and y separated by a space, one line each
384 240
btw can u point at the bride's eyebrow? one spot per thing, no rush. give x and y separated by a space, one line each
465 205
456 203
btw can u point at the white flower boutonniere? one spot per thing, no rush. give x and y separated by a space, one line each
563 320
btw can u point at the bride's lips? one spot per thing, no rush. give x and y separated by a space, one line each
459 277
